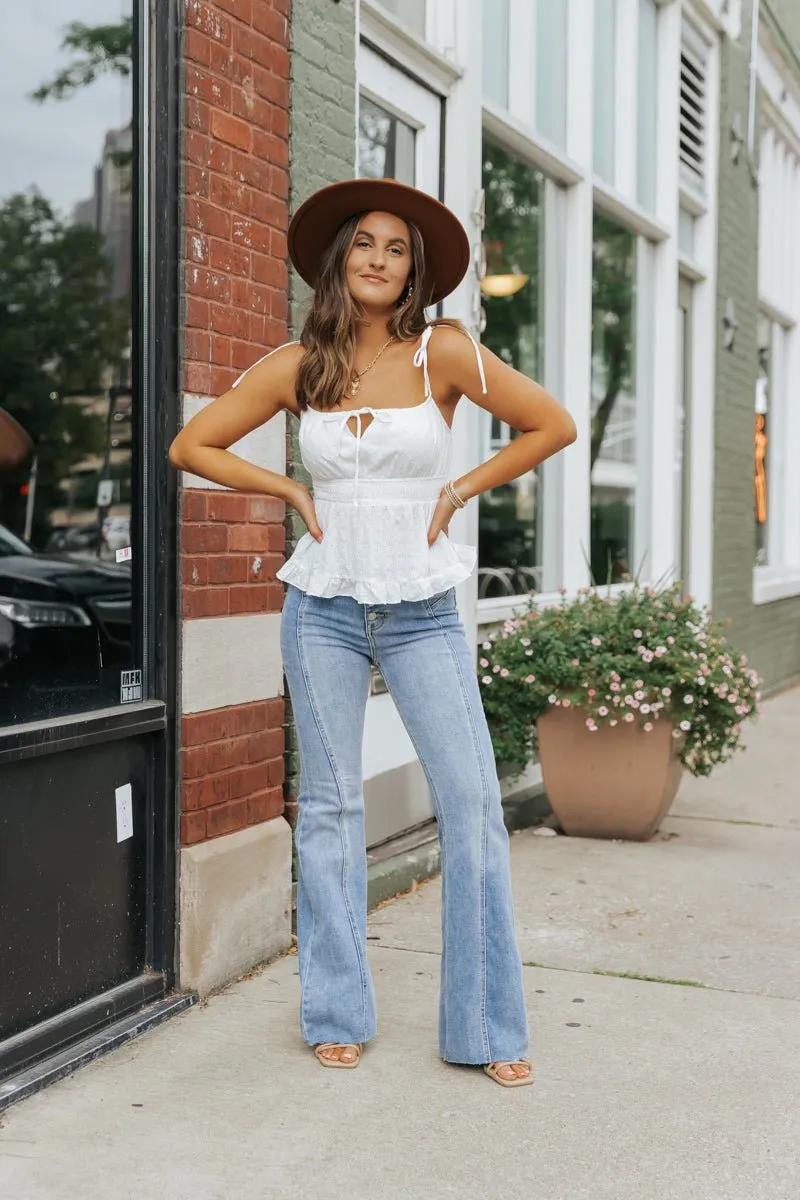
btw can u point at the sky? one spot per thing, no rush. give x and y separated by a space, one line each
57 144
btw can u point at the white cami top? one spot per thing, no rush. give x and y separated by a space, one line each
375 495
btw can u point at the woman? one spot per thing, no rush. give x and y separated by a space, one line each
373 581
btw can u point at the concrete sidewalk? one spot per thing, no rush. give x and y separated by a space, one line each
646 1090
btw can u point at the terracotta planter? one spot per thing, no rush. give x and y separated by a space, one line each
616 783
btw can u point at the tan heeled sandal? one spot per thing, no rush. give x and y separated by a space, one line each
492 1069
337 1062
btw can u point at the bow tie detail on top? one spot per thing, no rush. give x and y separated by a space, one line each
382 415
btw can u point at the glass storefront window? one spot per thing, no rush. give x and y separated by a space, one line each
614 410
385 144
495 51
605 39
761 441
510 517
65 357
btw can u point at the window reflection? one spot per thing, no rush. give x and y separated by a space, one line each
509 536
385 144
65 356
613 432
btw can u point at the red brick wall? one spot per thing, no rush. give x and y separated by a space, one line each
232 547
233 769
235 216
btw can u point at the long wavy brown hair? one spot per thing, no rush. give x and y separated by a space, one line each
329 331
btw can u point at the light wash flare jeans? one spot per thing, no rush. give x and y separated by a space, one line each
422 652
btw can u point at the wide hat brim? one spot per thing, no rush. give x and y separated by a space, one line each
316 222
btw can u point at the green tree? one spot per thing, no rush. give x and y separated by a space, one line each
59 335
613 295
98 50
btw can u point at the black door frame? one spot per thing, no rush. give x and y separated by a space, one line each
155 360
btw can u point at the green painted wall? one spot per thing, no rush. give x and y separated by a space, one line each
322 151
769 634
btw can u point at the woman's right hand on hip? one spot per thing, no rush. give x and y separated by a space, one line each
302 500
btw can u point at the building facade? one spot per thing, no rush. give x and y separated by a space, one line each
627 173
757 414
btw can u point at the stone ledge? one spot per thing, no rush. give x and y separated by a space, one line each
235 904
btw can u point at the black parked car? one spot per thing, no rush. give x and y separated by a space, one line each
65 632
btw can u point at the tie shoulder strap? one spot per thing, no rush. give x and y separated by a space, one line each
263 358
421 358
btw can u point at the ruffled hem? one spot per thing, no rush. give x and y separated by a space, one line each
310 577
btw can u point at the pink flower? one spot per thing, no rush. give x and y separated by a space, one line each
530 678
484 662
496 668
524 641
648 727
615 687
666 691
612 723
591 692
596 641
639 683
551 700
565 703
661 651
640 694
648 656
637 633
576 662
603 711
615 676
504 673
590 723
670 641
628 716
486 679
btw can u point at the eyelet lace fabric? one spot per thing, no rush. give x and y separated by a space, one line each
375 491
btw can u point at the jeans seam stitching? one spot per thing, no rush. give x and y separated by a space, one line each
484 829
337 778
434 792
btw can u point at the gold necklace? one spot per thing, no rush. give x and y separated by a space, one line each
355 382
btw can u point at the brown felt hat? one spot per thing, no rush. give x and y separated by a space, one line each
316 222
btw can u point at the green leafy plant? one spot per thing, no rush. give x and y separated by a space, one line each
642 656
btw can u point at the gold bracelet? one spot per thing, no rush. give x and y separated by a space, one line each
453 496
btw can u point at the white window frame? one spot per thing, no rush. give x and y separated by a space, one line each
779 302
566 526
506 135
